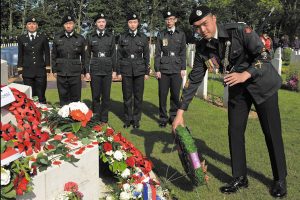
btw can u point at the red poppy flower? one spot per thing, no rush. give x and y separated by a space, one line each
80 151
58 137
56 162
77 115
117 137
109 132
147 166
97 128
20 184
90 146
107 146
130 161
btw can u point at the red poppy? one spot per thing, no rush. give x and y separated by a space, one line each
97 128
147 166
77 115
56 162
107 146
90 146
130 161
20 184
57 137
117 137
80 151
109 132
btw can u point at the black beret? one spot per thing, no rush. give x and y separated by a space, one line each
67 18
169 14
100 16
31 19
199 13
132 16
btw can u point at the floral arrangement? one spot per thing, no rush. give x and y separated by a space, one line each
293 82
189 157
71 192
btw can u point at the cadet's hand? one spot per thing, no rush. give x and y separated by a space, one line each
88 76
158 75
114 75
182 73
55 75
146 77
82 76
178 119
235 78
119 76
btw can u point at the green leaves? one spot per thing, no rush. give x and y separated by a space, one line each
76 126
8 191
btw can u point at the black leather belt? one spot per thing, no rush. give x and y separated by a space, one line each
101 55
169 53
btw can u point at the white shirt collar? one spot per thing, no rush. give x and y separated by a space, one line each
70 33
216 34
134 32
32 34
172 29
98 32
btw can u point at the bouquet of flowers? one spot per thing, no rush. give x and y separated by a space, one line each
71 192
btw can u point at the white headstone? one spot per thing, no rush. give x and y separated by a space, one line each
4 72
276 61
295 58
202 89
184 79
22 88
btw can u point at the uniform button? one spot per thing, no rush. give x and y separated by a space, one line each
33 57
33 62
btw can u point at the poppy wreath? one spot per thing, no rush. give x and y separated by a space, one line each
189 157
27 135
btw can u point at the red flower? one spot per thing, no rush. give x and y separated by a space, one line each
107 146
71 187
97 128
80 151
50 146
57 137
88 117
56 162
20 183
109 132
148 166
130 161
117 137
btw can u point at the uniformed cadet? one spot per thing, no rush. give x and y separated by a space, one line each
102 62
251 79
68 61
170 66
133 67
33 57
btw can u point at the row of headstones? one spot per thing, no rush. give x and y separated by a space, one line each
9 45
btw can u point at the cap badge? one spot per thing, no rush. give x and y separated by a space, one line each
69 17
169 13
198 12
33 19
102 15
134 16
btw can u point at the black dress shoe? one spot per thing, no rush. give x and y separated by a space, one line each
136 126
239 182
279 189
162 124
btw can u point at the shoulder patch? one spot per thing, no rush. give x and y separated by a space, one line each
247 30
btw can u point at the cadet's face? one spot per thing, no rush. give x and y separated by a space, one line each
206 27
170 21
69 26
31 27
133 24
101 24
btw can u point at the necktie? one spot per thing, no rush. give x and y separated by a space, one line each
170 32
132 34
32 37
100 34
68 34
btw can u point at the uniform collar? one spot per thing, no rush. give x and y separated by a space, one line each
135 33
104 32
34 33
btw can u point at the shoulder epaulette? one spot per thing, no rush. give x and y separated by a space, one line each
238 25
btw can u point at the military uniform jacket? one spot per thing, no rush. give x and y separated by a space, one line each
101 54
170 52
133 55
247 53
69 55
34 55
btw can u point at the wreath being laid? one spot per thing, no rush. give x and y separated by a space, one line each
189 157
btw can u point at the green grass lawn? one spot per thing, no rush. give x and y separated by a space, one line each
208 125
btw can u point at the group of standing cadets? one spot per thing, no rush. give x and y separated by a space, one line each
96 59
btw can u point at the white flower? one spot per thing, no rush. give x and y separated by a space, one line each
5 176
126 187
118 155
109 153
139 187
124 196
63 196
79 106
64 111
46 129
125 173
109 197
110 139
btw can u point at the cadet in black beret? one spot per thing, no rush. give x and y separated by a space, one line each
69 61
170 67
101 51
33 57
133 67
251 79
